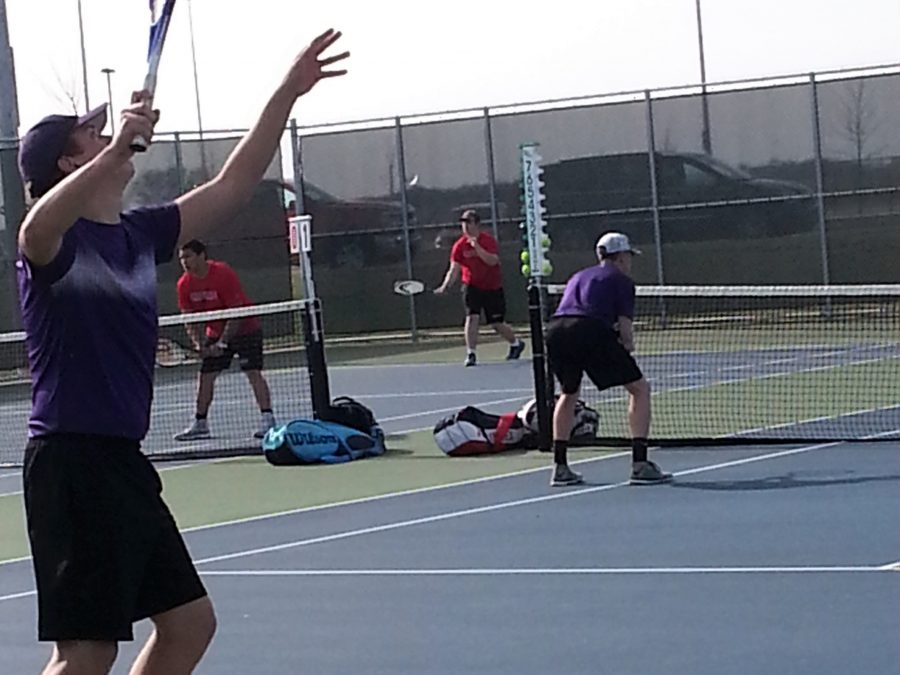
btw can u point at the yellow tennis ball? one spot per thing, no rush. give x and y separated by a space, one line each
523 256
547 268
526 270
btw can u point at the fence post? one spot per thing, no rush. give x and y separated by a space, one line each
820 180
179 165
492 182
654 200
654 190
401 168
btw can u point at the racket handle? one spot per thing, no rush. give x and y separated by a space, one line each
138 145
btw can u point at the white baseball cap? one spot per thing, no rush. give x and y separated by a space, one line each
615 242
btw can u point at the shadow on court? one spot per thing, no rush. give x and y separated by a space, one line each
788 481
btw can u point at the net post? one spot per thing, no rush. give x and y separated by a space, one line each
316 364
539 365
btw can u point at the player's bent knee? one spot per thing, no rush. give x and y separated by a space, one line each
568 398
639 388
193 622
84 656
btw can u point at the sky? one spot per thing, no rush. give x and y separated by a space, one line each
413 57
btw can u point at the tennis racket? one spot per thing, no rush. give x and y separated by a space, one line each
171 353
159 26
408 287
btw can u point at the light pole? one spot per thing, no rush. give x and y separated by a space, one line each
112 117
197 91
87 100
706 137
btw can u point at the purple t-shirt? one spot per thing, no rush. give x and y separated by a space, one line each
91 324
602 292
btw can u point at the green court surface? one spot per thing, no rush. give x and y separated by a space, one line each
226 490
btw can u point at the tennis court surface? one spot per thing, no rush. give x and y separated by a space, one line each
757 560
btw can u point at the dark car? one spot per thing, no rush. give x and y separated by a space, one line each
355 232
699 196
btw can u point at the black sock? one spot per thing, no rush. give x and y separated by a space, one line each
265 411
639 450
200 417
559 452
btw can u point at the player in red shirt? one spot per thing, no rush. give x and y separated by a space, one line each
209 285
476 255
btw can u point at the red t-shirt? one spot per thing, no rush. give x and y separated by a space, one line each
219 289
475 272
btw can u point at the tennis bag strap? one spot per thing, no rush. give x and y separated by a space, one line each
305 441
503 428
350 412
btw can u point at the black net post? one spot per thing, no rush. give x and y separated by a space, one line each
542 382
314 338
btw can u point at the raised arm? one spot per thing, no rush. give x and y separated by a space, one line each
215 201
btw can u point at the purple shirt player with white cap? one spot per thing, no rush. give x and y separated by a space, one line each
592 332
604 292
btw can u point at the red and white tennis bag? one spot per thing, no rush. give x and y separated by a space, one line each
584 429
474 432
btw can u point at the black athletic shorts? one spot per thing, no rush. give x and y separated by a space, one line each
492 303
105 548
249 350
578 345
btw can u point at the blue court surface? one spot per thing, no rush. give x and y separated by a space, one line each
757 560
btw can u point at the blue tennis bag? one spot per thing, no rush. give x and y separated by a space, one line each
306 441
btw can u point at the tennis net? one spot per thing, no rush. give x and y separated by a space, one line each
293 367
753 364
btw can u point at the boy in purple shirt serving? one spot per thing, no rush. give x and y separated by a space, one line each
591 332
105 548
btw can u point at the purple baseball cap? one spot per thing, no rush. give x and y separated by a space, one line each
46 142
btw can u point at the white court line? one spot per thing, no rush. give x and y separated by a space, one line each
549 571
472 392
885 434
17 596
492 507
825 418
662 391
451 409
891 567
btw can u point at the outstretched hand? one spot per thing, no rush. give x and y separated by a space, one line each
310 65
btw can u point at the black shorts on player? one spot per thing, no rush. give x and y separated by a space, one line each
492 303
577 345
249 350
105 548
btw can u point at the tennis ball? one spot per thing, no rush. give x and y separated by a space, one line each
545 241
547 268
526 271
523 256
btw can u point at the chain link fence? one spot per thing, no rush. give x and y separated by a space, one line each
801 185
